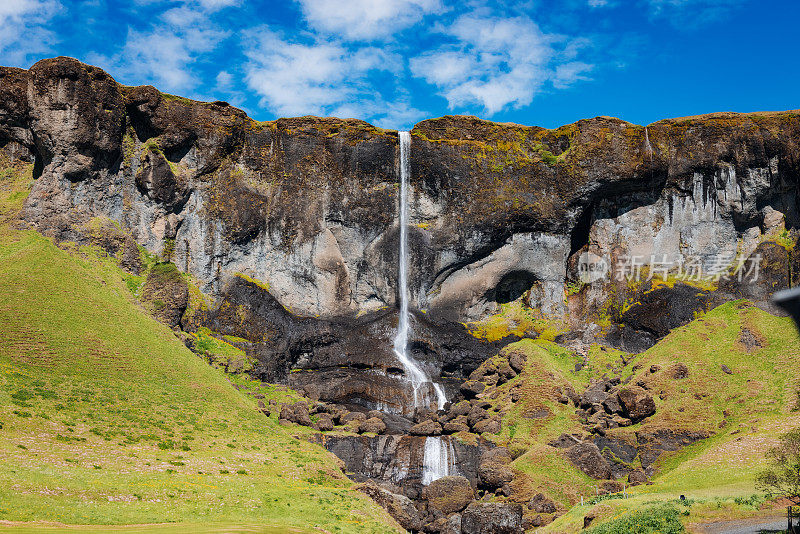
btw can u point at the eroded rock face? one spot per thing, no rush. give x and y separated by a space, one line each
309 205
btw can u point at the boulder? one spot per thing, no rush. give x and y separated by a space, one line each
586 457
472 388
636 402
453 525
517 360
506 372
542 505
612 405
492 518
426 428
595 394
424 413
448 494
726 369
637 477
372 425
460 408
399 507
451 427
476 415
296 413
494 474
497 454
564 441
492 426
324 422
353 416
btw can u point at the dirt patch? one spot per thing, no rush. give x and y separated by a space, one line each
751 340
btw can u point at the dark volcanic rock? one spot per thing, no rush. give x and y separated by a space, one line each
636 402
660 310
399 507
586 457
492 518
426 428
448 494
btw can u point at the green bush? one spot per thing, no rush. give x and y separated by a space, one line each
662 519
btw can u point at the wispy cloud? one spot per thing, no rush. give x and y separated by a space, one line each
316 76
365 19
165 53
23 29
691 14
499 62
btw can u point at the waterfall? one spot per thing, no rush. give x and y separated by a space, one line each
647 147
438 460
414 372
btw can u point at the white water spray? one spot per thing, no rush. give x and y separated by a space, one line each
439 459
647 147
419 380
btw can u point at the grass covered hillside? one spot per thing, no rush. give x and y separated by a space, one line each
739 382
106 417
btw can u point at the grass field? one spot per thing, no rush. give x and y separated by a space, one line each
107 419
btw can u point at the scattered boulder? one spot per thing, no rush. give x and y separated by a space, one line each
726 369
400 507
542 505
461 408
636 402
353 416
472 388
586 457
448 494
457 425
324 422
492 518
426 428
494 470
517 360
296 413
492 426
372 425
564 441
637 477
476 415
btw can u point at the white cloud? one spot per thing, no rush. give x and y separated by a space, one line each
366 19
164 54
23 29
499 62
598 3
692 13
319 78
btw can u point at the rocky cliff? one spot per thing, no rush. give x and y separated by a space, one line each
303 210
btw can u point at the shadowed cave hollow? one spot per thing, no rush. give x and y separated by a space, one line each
512 286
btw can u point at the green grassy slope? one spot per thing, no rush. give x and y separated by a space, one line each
108 419
744 412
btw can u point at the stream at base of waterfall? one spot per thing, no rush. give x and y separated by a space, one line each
439 456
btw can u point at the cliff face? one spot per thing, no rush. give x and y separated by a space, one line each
308 205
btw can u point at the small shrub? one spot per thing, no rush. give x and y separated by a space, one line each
662 519
241 472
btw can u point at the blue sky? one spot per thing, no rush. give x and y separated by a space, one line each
396 62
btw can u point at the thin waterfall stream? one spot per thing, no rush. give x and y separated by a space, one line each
438 453
418 378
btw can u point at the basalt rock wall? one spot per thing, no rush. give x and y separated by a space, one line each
308 206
